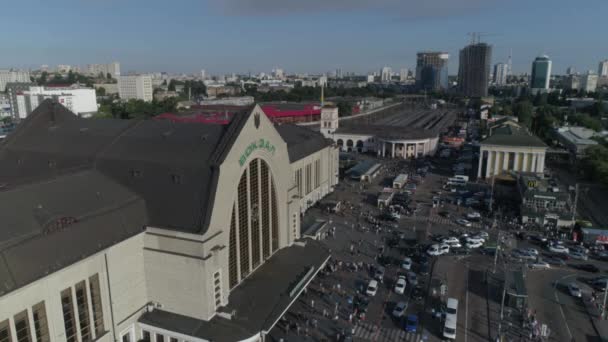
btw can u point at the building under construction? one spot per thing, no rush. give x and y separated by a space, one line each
474 69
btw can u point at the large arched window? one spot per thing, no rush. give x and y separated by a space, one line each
254 231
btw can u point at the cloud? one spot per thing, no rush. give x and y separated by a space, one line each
396 8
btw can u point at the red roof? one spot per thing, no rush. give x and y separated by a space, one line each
274 111
214 118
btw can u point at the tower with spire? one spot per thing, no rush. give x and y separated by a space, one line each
329 116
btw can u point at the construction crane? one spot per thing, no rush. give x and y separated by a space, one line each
476 36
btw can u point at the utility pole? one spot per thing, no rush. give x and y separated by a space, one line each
496 251
502 307
605 295
575 203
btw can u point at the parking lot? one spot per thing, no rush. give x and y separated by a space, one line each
431 215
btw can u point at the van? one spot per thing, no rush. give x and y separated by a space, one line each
449 328
451 317
372 288
452 308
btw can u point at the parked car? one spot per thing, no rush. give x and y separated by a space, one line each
434 250
472 244
540 265
400 285
451 239
475 240
587 267
578 255
379 274
473 216
531 250
464 222
407 264
412 278
444 248
372 288
555 248
399 309
555 261
574 290
411 324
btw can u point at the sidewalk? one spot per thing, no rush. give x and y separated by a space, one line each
601 326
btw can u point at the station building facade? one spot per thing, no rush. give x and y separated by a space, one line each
119 230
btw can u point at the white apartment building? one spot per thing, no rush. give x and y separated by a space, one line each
104 69
11 75
385 74
81 101
603 69
137 87
589 82
500 73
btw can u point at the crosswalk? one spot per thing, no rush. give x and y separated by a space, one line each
443 220
369 332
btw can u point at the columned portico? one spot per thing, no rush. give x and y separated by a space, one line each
498 160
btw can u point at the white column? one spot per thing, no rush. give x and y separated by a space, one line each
541 163
393 150
383 148
534 159
516 166
496 163
415 150
524 167
480 162
505 160
489 163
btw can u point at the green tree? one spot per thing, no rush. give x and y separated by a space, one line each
109 76
171 85
43 78
344 108
101 91
71 77
524 111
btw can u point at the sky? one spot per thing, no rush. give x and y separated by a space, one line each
313 36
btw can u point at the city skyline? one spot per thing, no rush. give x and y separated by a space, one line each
311 37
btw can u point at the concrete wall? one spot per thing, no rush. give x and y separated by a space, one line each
126 289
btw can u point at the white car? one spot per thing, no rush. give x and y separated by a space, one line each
434 250
372 288
473 244
531 250
444 249
400 285
474 215
483 235
453 244
463 222
578 255
451 239
540 265
399 309
407 263
475 239
574 290
558 249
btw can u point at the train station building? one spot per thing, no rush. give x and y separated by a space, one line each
128 230
382 140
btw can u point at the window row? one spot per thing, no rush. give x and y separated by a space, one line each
308 178
24 331
82 311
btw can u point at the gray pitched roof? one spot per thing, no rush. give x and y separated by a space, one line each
65 179
49 225
301 141
508 135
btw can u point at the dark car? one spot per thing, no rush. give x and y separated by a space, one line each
444 214
587 267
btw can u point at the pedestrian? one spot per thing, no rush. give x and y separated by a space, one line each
350 318
312 303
